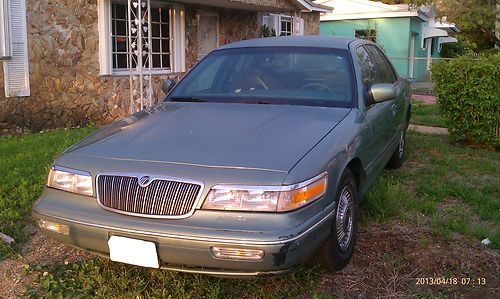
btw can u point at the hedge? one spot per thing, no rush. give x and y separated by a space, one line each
468 92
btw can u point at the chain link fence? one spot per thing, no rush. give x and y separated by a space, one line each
417 70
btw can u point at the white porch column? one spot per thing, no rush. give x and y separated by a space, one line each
428 46
412 56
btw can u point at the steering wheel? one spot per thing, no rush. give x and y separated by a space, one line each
315 86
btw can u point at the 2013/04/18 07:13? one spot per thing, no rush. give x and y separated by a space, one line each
450 281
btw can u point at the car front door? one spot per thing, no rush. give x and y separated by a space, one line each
378 116
388 75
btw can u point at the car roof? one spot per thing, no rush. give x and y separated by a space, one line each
316 41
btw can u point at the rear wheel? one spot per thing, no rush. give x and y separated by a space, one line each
397 157
339 248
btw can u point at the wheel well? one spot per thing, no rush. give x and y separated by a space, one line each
356 168
408 116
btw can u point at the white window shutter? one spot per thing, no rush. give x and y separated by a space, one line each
4 30
16 69
298 26
274 23
265 20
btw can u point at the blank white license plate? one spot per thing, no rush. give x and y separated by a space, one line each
134 252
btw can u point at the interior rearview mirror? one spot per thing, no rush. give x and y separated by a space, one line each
382 92
168 85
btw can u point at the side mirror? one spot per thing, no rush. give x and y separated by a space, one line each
168 85
382 92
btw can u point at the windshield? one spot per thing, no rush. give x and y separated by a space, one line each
271 75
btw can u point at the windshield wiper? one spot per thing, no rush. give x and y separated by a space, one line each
188 99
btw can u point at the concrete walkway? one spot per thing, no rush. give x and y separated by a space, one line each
427 99
428 130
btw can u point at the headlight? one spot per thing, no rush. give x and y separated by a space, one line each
266 198
70 180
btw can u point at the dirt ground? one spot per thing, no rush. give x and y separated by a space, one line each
425 98
399 260
39 250
391 260
428 130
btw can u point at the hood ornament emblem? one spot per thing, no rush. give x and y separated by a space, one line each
144 181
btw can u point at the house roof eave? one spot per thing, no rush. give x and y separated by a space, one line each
310 6
238 5
376 15
302 5
447 26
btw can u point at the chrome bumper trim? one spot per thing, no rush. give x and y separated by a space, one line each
230 273
193 238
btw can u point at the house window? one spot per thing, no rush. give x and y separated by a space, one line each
282 25
167 38
433 46
160 38
286 26
368 34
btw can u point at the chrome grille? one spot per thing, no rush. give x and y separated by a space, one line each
161 198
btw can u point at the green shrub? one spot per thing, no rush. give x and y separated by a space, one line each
469 97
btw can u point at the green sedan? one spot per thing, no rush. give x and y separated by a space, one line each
256 161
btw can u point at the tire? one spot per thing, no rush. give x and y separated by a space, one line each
398 156
339 247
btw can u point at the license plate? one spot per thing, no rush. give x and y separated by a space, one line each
134 252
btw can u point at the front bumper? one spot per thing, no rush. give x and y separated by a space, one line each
187 248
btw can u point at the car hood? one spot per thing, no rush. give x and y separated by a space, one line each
247 136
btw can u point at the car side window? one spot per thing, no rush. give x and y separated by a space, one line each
368 71
384 68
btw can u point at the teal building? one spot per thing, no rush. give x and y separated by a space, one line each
411 37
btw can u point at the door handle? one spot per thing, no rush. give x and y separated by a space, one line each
393 109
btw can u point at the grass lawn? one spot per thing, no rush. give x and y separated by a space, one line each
450 191
427 115
25 161
455 186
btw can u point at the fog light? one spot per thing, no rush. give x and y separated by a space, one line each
238 254
55 227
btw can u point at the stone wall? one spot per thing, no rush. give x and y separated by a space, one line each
234 25
66 88
311 23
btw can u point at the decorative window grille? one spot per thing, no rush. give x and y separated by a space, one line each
141 38
160 39
139 55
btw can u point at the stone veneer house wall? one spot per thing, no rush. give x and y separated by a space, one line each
73 74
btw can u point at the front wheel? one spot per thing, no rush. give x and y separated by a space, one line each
339 248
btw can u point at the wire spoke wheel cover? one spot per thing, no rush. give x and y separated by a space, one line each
344 218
